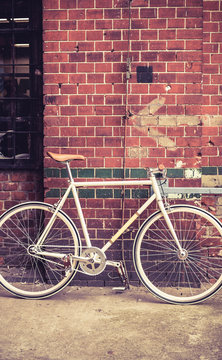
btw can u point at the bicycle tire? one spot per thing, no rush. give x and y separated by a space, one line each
177 279
28 275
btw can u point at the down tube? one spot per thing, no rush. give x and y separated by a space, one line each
129 222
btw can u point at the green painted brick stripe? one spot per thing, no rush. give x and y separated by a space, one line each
86 193
104 193
118 173
209 170
53 193
101 193
138 173
103 173
175 173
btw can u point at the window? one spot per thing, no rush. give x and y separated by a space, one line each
20 84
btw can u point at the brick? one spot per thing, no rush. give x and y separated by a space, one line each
85 46
85 67
113 56
68 25
175 110
189 34
194 45
56 78
167 34
167 12
67 4
167 78
104 3
154 45
55 14
176 23
86 25
95 78
175 45
148 141
216 16
193 88
55 57
216 79
210 69
94 13
190 56
155 3
189 78
157 24
167 56
149 35
175 67
148 13
193 109
51 25
195 23
103 24
67 68
194 2
77 57
217 37
176 3
82 4
216 58
103 68
95 57
209 110
94 35
189 99
210 5
149 56
216 100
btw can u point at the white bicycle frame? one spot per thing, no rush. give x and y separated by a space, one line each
73 188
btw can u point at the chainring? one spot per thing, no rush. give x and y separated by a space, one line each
96 263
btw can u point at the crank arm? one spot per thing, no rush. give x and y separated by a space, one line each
116 264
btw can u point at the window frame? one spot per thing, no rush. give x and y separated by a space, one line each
22 121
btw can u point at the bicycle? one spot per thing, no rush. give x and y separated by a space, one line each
177 251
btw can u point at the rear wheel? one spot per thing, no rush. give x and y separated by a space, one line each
22 271
188 277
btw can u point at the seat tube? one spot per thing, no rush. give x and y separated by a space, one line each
78 207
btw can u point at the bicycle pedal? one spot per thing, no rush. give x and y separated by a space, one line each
119 289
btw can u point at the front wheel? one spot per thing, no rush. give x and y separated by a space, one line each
190 277
22 271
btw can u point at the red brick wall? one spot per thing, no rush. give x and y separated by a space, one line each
19 186
85 53
175 120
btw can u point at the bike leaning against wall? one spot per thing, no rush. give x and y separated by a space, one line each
177 251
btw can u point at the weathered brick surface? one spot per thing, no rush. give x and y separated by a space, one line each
180 40
19 186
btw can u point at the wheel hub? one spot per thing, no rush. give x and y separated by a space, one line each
96 261
182 255
32 250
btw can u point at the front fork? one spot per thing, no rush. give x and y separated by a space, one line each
165 215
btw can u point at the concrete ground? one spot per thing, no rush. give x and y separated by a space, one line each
96 323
